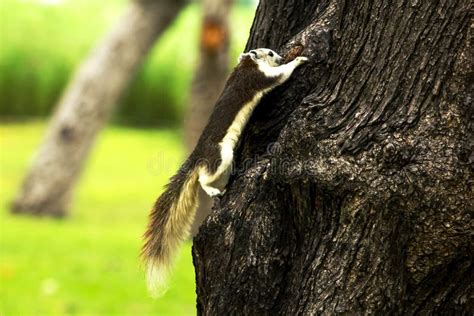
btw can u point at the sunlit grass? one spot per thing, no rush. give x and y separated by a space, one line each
88 264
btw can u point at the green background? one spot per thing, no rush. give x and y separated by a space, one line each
88 263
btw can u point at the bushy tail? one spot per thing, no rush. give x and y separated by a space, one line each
169 224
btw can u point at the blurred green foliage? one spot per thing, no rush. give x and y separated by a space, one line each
88 263
41 45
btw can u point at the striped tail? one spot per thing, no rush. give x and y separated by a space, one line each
169 225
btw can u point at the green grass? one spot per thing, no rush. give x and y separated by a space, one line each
41 46
88 264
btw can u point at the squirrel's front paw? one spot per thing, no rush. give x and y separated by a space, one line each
301 59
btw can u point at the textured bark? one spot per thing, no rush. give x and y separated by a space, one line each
87 104
208 81
355 185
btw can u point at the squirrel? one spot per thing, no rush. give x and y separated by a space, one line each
258 72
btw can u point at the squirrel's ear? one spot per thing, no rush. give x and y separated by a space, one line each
242 56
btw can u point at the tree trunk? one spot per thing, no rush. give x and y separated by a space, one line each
208 82
87 104
354 190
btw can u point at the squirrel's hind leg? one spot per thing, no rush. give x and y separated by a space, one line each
214 183
206 180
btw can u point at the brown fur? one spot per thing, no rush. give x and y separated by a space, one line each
174 210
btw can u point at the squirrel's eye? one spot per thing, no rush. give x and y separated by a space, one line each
253 52
270 54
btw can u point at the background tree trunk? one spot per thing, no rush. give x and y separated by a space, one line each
355 188
87 104
208 81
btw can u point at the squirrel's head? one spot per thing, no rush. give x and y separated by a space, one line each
263 55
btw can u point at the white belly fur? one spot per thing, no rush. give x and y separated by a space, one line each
228 144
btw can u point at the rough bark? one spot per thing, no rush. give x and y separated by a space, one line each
86 105
355 185
208 82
